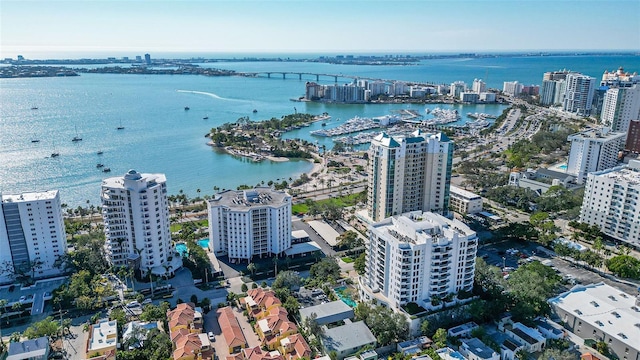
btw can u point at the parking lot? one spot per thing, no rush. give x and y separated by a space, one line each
34 294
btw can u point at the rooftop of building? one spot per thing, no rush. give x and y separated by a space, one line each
324 312
605 308
602 133
464 193
478 348
28 349
511 345
417 136
629 173
118 182
246 199
531 336
417 227
29 196
348 336
102 335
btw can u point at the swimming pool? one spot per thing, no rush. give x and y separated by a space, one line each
181 248
563 167
345 297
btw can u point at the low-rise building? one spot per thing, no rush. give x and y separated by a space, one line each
295 347
414 346
448 353
464 202
274 327
541 180
532 340
102 340
509 348
474 349
328 313
231 330
185 316
602 313
548 331
140 330
259 300
348 339
256 353
35 349
191 346
463 330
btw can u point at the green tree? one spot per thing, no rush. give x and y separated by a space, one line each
440 338
292 306
359 264
47 327
287 279
325 270
152 312
556 354
624 266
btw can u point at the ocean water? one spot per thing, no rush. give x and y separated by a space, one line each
160 136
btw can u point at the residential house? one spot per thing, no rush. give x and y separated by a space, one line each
185 316
295 347
328 313
348 338
474 349
448 353
258 300
138 330
257 353
532 340
549 331
102 340
463 330
191 346
414 346
274 327
231 330
509 349
35 349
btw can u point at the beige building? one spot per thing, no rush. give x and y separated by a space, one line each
408 174
102 340
464 202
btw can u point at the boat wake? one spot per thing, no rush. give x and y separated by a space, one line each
207 94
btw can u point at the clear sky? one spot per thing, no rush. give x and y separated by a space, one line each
38 29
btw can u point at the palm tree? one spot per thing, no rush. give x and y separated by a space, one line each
252 268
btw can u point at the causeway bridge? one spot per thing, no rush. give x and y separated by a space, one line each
299 76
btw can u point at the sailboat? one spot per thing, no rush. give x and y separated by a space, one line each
76 138
120 127
54 153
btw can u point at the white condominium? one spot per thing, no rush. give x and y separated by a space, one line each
593 150
32 235
578 94
135 211
417 256
244 224
409 173
465 202
620 106
611 202
479 86
512 88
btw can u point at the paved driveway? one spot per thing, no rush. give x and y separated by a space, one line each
220 345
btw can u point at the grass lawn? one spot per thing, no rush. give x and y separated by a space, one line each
299 209
347 259
199 223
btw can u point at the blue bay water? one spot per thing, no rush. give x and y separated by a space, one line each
160 136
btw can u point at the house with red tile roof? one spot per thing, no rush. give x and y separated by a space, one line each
231 330
275 326
258 300
295 347
185 316
258 354
189 346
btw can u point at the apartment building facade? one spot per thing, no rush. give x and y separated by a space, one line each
416 256
135 211
32 235
409 173
593 150
248 223
611 202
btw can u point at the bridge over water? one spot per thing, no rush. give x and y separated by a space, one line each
299 75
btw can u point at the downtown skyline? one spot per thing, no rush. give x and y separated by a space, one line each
128 28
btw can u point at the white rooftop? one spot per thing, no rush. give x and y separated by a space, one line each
418 227
628 173
604 307
325 231
132 175
103 335
464 193
30 196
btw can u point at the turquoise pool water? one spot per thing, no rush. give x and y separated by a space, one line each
181 248
204 243
563 167
346 298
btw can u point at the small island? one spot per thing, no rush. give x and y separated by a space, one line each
260 140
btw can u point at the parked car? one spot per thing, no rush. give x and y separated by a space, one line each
211 336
